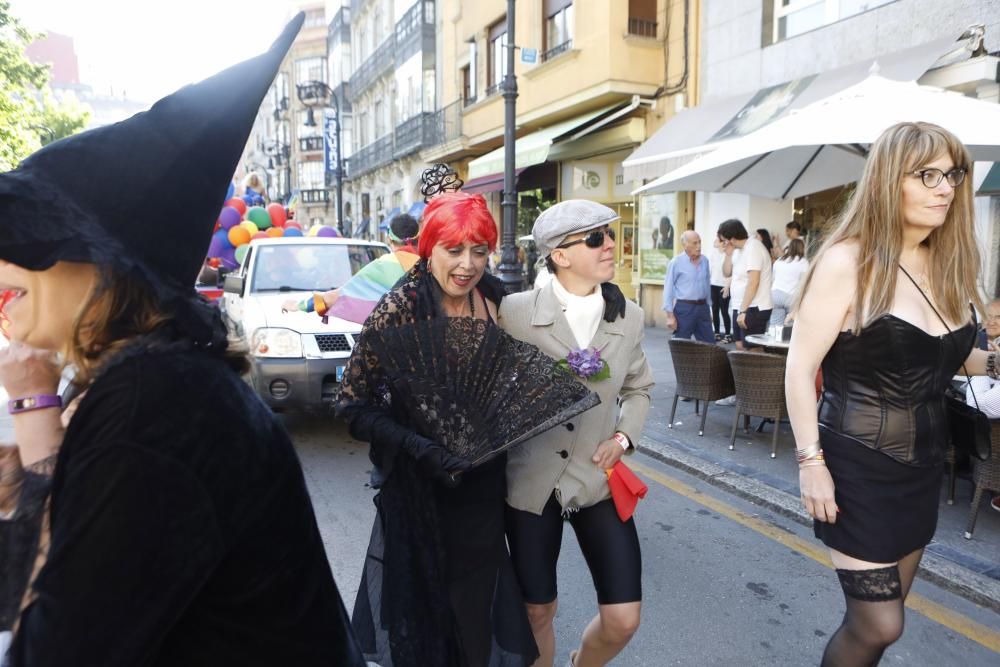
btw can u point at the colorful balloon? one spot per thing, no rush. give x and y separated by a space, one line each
250 227
259 216
238 236
229 217
327 232
259 235
241 253
277 212
230 191
238 204
275 232
292 231
293 224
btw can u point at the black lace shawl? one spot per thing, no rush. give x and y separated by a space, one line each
406 593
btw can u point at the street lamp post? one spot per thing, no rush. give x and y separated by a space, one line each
509 269
314 94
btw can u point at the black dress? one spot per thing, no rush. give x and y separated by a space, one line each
438 587
182 531
883 430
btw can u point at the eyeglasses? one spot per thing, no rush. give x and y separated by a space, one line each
992 316
594 239
931 177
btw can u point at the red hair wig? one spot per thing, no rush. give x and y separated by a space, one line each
452 218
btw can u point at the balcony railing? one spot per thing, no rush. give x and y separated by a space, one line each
445 124
314 196
494 89
641 27
414 133
469 101
415 31
310 144
371 157
557 50
380 61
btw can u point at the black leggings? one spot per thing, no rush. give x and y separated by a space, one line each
720 305
610 546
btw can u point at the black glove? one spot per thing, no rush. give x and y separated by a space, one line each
435 460
614 302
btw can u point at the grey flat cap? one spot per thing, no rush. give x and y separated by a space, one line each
569 217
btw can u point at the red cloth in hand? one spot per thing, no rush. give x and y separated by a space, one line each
626 490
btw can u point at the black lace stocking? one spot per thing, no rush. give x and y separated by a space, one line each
874 616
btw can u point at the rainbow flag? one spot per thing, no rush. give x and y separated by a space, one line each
358 296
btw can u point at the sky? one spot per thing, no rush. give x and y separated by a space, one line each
146 49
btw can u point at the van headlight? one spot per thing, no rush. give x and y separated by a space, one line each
276 343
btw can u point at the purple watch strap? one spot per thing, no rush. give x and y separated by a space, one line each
28 403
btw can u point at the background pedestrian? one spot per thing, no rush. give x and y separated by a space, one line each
687 289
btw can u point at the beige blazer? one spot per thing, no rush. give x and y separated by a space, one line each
559 459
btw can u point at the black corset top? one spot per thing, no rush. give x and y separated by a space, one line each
885 387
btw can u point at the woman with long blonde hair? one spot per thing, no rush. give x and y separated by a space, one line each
886 309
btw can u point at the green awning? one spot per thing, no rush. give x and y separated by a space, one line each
991 186
530 149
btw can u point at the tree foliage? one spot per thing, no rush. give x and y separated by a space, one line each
29 116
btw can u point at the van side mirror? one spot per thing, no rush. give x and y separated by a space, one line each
233 284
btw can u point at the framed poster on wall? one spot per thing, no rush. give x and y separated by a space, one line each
657 235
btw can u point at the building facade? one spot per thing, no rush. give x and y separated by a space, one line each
594 79
392 94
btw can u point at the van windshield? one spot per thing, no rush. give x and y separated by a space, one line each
308 267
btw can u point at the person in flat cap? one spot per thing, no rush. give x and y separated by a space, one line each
560 475
169 522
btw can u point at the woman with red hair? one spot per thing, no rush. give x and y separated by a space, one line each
437 587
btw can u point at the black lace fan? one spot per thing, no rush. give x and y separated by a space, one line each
474 389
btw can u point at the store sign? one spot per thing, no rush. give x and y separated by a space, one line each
587 180
330 147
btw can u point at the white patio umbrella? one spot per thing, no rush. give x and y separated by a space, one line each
825 144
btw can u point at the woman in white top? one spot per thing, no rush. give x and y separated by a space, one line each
787 275
720 292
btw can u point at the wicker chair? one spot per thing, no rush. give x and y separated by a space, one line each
702 373
985 476
760 389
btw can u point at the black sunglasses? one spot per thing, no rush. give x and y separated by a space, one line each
594 239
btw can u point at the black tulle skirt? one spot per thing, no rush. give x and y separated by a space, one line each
484 619
887 509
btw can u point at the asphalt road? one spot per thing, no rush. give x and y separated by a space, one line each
725 583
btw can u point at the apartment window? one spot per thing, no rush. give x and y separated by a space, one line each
346 134
642 18
379 119
472 73
315 19
363 139
362 47
311 175
794 17
497 66
397 199
558 25
377 25
429 91
310 69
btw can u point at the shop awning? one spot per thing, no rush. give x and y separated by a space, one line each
990 184
384 225
417 209
701 129
530 149
488 183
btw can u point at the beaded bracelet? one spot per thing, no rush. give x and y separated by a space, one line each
991 366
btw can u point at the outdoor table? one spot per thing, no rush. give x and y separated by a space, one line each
768 342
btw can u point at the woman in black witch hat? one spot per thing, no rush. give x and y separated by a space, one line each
181 531
437 587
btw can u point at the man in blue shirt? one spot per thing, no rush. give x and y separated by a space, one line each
687 290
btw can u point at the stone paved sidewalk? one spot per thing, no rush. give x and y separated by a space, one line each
968 567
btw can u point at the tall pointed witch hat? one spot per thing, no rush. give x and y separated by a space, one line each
141 196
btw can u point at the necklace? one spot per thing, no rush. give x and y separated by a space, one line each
472 305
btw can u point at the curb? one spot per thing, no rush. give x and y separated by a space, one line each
951 576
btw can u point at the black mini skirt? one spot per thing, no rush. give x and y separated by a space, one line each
887 509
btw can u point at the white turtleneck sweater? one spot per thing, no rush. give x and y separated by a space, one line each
582 312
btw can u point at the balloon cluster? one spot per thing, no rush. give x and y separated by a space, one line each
239 224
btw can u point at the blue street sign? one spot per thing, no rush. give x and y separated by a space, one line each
529 56
330 145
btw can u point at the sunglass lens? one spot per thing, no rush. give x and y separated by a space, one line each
596 239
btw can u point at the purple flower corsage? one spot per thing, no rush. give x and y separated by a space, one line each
587 364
